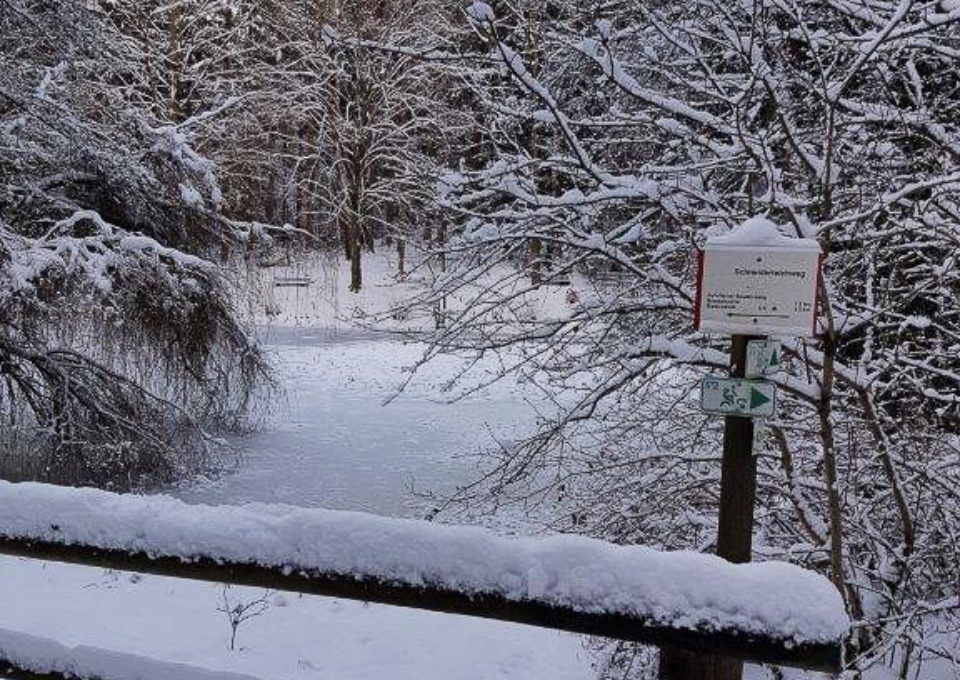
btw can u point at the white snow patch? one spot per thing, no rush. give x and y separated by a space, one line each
190 196
42 655
142 244
480 12
760 232
604 28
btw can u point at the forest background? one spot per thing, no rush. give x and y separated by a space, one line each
148 150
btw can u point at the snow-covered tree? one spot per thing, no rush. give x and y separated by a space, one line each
315 129
655 127
118 343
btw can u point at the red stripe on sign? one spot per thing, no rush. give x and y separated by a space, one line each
698 296
818 304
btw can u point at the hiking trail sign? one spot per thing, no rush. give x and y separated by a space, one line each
752 281
754 289
764 357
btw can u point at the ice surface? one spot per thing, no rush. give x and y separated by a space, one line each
335 442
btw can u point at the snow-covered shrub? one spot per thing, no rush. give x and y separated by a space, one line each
118 342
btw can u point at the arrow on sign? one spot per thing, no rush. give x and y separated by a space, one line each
757 398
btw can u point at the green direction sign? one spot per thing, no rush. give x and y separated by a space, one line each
764 357
736 397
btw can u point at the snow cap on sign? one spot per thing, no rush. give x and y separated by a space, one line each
760 232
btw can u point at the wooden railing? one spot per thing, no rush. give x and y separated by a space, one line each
824 657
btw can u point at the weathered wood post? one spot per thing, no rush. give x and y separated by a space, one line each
738 490
738 476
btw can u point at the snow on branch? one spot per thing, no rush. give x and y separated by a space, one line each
680 590
331 36
93 257
88 414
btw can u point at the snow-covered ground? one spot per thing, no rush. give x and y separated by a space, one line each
330 443
270 297
296 637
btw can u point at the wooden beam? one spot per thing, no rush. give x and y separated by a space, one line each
729 643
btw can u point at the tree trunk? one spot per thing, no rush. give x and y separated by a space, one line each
345 237
356 271
534 255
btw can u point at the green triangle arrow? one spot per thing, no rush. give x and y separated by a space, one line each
775 358
757 398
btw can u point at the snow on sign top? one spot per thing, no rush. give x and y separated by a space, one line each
760 232
757 281
679 589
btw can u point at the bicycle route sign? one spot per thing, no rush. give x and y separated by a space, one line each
738 397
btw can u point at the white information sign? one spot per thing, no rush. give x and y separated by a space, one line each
764 358
759 290
736 397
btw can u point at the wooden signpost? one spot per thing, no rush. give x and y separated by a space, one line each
752 283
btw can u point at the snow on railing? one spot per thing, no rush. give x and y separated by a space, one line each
767 612
23 655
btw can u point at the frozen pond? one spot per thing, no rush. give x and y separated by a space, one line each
333 442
